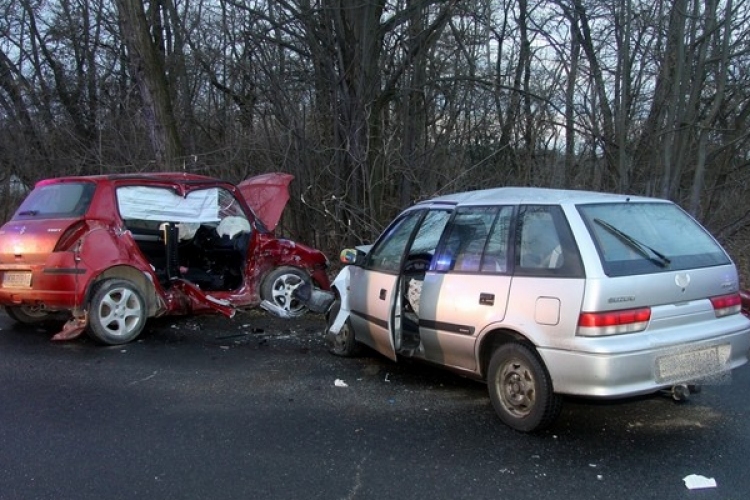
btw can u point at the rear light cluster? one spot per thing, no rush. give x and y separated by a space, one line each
596 324
71 236
724 305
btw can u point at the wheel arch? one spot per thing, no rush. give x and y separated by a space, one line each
138 278
336 296
291 265
495 338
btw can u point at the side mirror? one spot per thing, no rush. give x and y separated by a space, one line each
351 256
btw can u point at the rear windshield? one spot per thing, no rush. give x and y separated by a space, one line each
57 201
641 238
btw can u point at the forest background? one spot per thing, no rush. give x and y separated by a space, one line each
374 104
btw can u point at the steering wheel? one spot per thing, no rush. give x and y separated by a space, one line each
417 263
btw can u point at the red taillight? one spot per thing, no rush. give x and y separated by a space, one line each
71 236
724 305
594 324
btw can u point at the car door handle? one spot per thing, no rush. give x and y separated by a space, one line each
486 299
382 294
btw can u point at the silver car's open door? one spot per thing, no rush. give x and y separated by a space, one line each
371 301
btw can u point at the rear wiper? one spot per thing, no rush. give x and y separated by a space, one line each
29 212
643 249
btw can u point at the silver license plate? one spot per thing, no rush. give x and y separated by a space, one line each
16 279
692 365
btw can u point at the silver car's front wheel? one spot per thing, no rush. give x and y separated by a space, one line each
521 389
343 342
279 287
117 312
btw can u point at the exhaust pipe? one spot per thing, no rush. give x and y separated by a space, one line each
680 392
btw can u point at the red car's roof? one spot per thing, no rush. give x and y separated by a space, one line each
266 194
156 176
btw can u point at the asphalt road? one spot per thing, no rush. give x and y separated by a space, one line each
249 409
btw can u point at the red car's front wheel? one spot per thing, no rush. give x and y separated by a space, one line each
279 287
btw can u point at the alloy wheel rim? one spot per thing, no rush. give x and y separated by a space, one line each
283 292
120 312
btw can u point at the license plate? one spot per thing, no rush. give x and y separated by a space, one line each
17 279
692 365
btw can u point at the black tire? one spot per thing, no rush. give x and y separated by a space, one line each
27 315
279 286
117 312
343 343
521 389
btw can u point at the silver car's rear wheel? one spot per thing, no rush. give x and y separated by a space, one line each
117 312
521 389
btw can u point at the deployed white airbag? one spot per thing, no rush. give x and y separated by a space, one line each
149 203
229 226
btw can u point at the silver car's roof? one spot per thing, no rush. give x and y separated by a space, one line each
536 195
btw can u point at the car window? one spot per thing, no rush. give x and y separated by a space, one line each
228 205
476 240
544 243
428 235
495 258
62 200
638 238
387 253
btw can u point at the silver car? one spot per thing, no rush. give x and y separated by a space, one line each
543 293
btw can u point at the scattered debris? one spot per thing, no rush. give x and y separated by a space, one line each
144 379
253 328
340 383
316 300
277 311
697 482
226 337
73 328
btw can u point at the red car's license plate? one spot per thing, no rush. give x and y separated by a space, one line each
17 279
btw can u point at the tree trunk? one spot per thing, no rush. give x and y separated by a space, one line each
147 67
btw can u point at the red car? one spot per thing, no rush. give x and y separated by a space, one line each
110 251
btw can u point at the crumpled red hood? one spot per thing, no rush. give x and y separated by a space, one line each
267 195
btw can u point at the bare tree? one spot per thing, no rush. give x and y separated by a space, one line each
147 66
